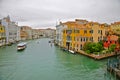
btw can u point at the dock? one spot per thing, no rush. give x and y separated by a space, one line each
94 56
113 66
97 57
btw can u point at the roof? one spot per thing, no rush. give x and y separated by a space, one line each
22 44
113 37
115 23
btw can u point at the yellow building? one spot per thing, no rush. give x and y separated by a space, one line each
79 32
2 35
115 27
26 32
23 35
98 31
75 35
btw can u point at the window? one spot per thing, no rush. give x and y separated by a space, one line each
91 31
92 24
98 39
110 41
68 31
98 31
10 33
104 38
91 39
1 28
85 31
81 39
70 44
64 31
67 44
76 31
68 38
81 46
21 28
86 38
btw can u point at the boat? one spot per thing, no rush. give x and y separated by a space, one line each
9 44
64 49
71 51
49 41
21 46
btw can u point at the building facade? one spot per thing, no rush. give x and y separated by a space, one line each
36 33
78 32
26 32
11 30
111 39
59 33
115 28
2 35
49 32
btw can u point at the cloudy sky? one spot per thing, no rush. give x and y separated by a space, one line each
47 13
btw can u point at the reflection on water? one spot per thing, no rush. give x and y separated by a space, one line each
41 61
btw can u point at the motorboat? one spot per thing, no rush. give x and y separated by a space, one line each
64 49
21 46
71 51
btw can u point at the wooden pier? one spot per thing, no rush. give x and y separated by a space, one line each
113 66
117 72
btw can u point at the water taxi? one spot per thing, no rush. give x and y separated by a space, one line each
21 46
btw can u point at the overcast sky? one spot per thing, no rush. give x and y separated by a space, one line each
46 13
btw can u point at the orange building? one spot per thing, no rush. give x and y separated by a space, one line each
111 39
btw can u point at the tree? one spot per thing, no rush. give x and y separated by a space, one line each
90 47
112 47
99 47
87 46
100 42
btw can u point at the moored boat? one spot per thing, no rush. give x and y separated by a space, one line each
71 51
49 41
21 46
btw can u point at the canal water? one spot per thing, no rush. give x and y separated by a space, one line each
43 61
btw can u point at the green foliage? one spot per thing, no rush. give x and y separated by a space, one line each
112 47
101 42
87 51
90 47
87 46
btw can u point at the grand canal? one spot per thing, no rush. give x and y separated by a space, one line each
41 61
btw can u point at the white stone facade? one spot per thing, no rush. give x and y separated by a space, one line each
11 30
59 33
